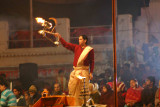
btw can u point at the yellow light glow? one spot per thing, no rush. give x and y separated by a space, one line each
40 20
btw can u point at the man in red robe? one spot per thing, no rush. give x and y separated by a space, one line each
83 65
133 96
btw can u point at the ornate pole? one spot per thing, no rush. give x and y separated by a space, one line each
114 18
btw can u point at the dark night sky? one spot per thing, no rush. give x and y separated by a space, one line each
97 12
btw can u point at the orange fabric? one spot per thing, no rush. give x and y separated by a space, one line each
55 101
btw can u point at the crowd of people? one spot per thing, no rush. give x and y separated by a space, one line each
21 97
135 87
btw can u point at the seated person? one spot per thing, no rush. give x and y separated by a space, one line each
7 96
148 93
20 98
94 92
133 96
107 96
27 98
57 89
120 92
61 79
34 95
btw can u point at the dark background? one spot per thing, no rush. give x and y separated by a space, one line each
89 13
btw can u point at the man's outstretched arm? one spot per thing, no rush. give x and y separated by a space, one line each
65 44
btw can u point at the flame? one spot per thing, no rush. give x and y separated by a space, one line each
43 22
56 43
80 77
40 20
41 31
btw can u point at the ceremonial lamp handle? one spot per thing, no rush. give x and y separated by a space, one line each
57 41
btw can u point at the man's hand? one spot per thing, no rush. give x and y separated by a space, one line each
90 76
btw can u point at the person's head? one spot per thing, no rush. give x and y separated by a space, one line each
32 90
133 83
56 87
26 95
17 91
150 81
106 88
83 40
3 84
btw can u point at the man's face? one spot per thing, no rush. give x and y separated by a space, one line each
104 89
82 42
31 93
56 87
16 92
132 84
26 96
148 82
2 88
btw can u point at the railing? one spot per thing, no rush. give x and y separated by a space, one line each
21 39
96 35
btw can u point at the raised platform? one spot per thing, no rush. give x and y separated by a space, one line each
56 101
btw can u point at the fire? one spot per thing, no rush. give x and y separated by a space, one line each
40 20
41 32
43 22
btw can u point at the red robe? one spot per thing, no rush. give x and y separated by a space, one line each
77 49
133 95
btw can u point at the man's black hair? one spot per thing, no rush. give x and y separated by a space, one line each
85 38
18 89
152 79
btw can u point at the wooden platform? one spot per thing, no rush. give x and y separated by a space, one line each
57 100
